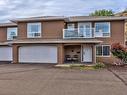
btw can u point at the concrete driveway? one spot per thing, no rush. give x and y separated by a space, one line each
37 79
120 72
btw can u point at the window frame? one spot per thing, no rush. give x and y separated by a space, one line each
109 30
29 29
102 51
9 37
73 24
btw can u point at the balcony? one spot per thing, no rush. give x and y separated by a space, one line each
79 33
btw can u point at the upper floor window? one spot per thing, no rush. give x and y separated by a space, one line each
70 26
102 29
34 30
11 33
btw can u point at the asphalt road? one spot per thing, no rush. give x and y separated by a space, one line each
37 79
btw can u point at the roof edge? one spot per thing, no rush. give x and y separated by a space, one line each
8 24
44 18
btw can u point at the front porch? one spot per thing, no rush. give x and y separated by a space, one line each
79 53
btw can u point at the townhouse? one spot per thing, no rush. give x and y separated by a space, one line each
59 40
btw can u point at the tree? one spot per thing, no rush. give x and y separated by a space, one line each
119 52
102 12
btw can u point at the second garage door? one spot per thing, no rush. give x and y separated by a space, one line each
5 53
38 54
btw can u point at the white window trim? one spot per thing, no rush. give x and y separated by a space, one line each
34 23
80 23
8 36
108 31
102 51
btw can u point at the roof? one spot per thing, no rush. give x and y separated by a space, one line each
7 24
71 18
55 41
95 18
66 19
124 13
43 18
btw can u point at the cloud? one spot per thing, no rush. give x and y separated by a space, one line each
28 8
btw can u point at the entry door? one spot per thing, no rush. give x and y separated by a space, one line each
87 54
85 29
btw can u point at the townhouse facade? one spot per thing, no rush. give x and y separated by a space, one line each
59 40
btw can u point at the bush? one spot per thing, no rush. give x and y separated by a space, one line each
99 66
119 52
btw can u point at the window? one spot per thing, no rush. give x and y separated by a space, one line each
85 29
102 29
70 26
106 50
103 50
34 30
11 33
99 50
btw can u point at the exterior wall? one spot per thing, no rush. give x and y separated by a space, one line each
3 34
94 54
60 54
60 51
117 32
22 28
53 30
117 36
15 54
50 29
126 32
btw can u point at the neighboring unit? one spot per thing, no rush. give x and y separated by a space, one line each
58 40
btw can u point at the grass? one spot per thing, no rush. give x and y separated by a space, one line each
82 66
87 68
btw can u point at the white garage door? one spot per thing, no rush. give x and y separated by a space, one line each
38 54
5 53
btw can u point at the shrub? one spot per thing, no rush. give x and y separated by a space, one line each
99 66
119 52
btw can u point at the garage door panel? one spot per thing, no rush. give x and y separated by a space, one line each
5 53
38 54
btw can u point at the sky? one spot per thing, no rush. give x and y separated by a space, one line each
11 9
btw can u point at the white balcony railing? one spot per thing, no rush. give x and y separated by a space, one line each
79 33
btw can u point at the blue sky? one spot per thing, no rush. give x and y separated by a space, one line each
28 8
